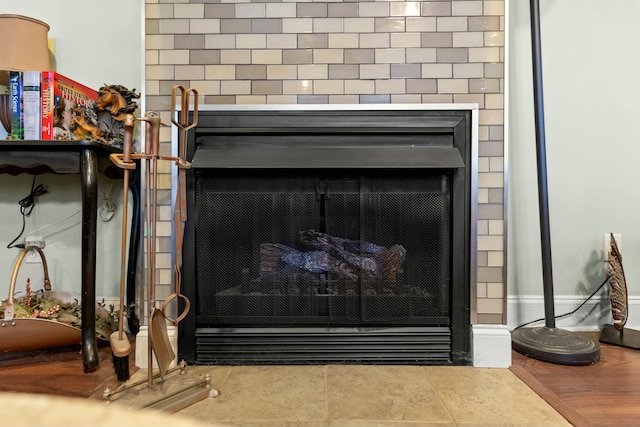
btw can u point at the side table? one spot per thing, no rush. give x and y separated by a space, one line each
88 159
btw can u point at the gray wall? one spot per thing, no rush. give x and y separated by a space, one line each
590 69
95 43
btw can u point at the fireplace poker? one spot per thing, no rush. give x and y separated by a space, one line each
152 126
180 207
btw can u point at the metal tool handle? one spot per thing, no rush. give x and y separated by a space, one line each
185 96
185 123
9 310
127 145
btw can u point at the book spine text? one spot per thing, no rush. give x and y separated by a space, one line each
47 105
31 102
15 104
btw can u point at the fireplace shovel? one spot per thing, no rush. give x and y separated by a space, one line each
159 343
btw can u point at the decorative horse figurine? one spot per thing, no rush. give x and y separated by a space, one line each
118 100
113 104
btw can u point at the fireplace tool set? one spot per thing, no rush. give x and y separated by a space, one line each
171 392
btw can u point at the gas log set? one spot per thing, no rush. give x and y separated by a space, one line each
347 264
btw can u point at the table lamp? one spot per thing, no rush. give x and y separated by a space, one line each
24 47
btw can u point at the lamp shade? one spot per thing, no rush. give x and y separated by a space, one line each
24 44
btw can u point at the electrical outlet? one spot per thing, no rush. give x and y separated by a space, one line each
33 257
607 244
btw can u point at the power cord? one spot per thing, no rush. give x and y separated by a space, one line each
107 208
571 312
26 207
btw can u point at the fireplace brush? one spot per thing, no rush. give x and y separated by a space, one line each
120 345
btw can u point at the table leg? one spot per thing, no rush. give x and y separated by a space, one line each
89 176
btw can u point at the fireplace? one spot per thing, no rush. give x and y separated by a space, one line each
328 235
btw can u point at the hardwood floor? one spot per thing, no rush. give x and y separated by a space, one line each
57 372
604 394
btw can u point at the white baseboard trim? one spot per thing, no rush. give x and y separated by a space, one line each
491 346
142 353
591 317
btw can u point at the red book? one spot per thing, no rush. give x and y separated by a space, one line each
62 100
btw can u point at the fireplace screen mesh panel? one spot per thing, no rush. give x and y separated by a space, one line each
322 247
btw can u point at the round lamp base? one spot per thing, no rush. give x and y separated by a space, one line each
556 346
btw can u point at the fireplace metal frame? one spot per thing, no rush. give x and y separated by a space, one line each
451 120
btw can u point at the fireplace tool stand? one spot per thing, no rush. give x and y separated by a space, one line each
163 390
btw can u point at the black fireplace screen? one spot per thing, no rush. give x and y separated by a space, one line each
330 247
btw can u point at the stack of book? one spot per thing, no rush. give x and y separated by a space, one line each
46 105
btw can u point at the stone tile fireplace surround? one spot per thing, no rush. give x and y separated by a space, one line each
348 52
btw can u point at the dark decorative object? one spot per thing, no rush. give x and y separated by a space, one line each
548 343
619 295
617 334
112 106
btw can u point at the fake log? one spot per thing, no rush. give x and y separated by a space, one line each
349 260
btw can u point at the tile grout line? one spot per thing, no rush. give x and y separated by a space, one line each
435 389
326 393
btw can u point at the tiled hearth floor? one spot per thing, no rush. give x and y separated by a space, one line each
49 388
366 396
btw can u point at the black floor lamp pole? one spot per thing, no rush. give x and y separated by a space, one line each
548 343
541 150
